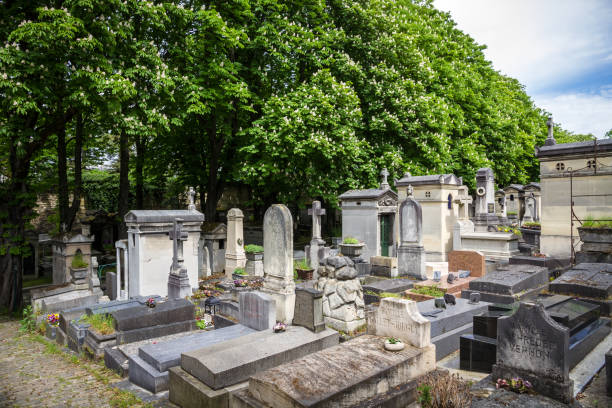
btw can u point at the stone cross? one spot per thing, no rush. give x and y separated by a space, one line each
191 194
410 190
177 235
550 140
316 211
385 184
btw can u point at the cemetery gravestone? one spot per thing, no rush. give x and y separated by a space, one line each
534 347
278 260
400 318
257 310
472 261
316 242
178 280
234 252
411 253
309 309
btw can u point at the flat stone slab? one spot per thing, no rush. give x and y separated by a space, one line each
110 307
68 300
155 331
140 317
234 361
390 285
341 376
586 279
457 286
452 317
166 354
511 279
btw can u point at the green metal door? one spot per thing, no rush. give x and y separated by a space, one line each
385 227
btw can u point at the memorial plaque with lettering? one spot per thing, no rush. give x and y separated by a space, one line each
531 345
400 318
472 261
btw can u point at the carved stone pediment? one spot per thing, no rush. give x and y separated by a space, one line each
387 200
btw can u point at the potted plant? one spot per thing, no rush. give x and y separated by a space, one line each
351 247
78 267
303 270
596 230
531 233
239 273
394 344
254 252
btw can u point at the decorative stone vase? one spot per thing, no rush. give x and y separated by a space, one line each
304 274
236 276
254 256
531 237
352 250
79 275
394 346
596 235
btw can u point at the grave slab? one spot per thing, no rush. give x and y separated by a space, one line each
454 288
232 362
68 300
400 318
390 285
609 373
593 281
472 261
155 331
344 375
140 317
509 283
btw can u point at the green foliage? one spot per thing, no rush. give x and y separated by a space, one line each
252 249
201 324
530 224
78 261
424 395
428 291
600 222
393 340
239 271
301 265
102 323
28 322
389 295
350 241
100 189
511 213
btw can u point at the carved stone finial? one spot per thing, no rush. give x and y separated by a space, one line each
410 190
550 140
191 194
384 185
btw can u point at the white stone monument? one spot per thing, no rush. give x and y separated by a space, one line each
411 253
278 260
234 253
178 281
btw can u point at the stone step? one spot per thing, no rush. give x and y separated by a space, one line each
164 355
115 360
146 376
186 391
234 361
345 375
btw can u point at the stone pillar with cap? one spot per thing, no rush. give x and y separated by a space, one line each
316 242
234 252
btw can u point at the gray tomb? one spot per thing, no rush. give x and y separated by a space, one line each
591 280
411 253
532 346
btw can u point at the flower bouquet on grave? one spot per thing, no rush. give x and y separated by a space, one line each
516 384
150 303
241 283
394 344
53 319
280 327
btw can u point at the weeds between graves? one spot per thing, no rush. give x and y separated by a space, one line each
28 322
78 261
102 323
442 390
428 291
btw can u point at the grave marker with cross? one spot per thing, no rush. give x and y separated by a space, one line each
384 185
191 194
316 211
177 235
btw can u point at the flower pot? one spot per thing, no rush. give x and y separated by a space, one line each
236 276
304 274
595 235
351 250
394 347
254 256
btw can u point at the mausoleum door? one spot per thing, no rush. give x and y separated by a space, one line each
386 233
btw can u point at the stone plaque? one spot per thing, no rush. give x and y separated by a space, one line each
309 309
400 318
410 221
472 261
257 310
530 340
278 242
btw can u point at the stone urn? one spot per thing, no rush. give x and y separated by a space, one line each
599 235
351 250
394 345
304 273
254 256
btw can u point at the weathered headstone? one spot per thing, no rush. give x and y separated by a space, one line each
257 310
534 347
400 318
472 261
278 260
315 243
178 280
411 253
485 200
309 309
234 252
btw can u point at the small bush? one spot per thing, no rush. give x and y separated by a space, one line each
511 213
503 228
429 291
239 271
389 295
591 222
78 262
102 323
28 322
531 224
350 241
301 265
253 249
441 390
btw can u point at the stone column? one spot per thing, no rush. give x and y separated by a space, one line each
234 252
411 253
178 281
313 251
278 260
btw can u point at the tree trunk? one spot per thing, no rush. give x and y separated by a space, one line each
78 171
62 181
140 158
124 181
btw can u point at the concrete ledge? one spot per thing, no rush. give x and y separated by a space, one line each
448 342
115 360
131 336
146 376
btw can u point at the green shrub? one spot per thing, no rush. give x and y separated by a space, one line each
102 323
531 224
350 241
389 295
239 271
301 265
28 323
603 222
253 249
429 291
78 262
511 213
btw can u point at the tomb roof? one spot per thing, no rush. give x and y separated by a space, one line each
163 216
370 193
448 179
587 147
517 187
